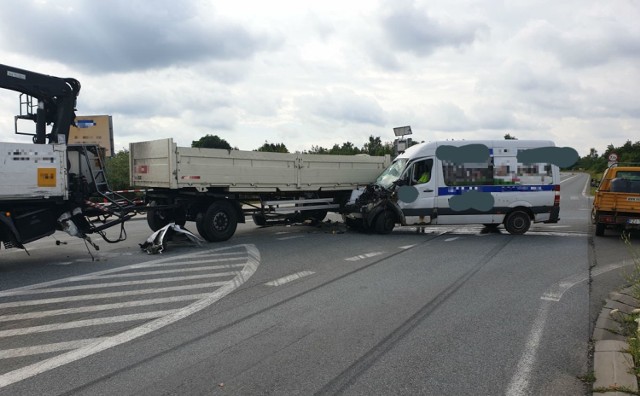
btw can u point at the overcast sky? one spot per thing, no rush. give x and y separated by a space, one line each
307 73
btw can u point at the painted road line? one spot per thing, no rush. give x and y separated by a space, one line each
99 296
85 323
101 307
145 273
180 260
45 348
290 237
555 292
253 261
407 246
117 284
213 267
364 256
289 278
451 239
519 384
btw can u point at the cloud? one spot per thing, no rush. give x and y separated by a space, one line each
345 106
125 35
584 46
412 29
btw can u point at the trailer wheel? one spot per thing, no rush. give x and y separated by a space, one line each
385 222
220 221
517 223
600 227
157 218
200 225
259 219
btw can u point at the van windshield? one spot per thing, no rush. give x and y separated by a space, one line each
392 173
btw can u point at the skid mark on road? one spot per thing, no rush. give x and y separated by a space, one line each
235 265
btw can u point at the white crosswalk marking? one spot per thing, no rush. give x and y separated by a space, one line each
107 311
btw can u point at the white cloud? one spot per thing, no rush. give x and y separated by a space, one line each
322 73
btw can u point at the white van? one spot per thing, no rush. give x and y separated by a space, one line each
490 182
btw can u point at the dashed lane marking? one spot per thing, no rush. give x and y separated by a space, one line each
364 256
290 237
289 278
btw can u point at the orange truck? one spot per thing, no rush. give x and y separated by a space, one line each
617 200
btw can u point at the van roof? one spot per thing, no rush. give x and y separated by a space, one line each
429 148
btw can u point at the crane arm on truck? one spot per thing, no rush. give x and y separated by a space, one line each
56 101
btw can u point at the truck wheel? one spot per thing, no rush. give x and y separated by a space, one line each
385 222
157 218
259 219
600 229
318 215
517 223
200 225
220 221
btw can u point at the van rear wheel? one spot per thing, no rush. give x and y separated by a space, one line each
600 229
517 223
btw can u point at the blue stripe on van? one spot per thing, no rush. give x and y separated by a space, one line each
458 190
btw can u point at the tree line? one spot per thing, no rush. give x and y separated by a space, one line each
628 153
374 146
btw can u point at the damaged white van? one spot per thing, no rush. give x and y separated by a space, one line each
490 182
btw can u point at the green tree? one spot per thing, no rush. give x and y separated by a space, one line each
274 148
509 137
117 169
211 141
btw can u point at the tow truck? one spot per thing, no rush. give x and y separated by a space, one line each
50 185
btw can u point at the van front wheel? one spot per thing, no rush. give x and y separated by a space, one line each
385 222
517 223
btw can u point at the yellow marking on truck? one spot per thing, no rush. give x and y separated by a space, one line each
46 177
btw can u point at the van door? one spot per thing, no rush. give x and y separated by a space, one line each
420 175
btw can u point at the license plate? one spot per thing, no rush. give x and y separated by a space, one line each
633 221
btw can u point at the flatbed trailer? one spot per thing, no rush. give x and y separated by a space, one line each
217 188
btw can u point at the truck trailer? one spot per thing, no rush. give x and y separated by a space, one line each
217 188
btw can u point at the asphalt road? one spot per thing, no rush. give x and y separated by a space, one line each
310 310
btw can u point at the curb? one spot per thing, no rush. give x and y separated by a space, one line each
612 364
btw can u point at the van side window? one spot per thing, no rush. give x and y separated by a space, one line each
468 174
421 172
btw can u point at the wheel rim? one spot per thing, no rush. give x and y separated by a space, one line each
519 223
220 221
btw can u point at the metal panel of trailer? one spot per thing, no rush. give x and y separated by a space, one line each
161 164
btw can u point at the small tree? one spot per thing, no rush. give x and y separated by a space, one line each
274 148
117 168
211 141
509 137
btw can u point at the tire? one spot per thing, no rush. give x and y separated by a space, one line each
517 223
200 225
219 222
156 219
385 222
600 227
259 219
318 215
